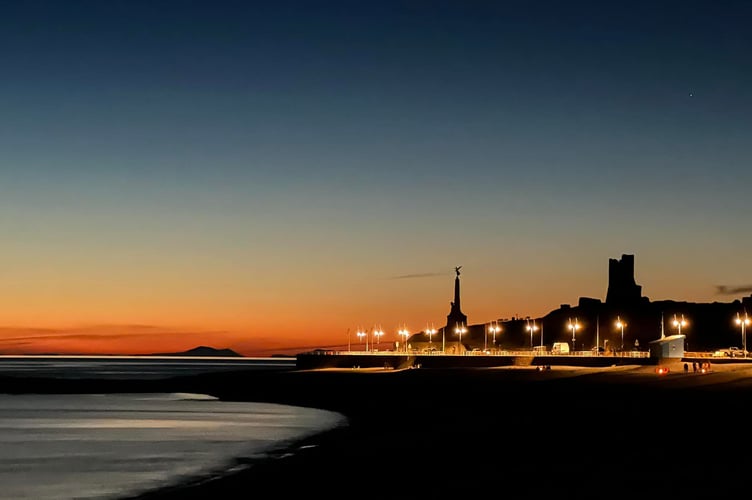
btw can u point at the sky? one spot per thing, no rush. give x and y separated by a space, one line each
272 177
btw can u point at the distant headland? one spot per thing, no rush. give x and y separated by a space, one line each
202 351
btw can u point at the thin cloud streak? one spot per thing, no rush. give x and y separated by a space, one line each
730 290
32 334
415 276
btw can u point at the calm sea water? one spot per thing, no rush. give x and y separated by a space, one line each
130 367
105 446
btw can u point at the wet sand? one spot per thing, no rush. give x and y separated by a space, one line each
621 432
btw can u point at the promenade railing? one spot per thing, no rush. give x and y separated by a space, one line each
489 352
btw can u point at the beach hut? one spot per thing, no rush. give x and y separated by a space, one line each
671 346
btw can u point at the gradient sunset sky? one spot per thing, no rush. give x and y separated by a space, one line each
271 176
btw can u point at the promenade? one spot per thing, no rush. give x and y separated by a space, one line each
469 359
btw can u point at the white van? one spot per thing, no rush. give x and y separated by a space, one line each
560 348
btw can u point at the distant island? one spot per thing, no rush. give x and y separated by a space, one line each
202 351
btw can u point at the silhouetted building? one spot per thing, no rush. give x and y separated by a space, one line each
622 289
671 346
456 316
588 302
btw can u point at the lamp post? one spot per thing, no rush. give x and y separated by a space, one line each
679 323
743 322
621 324
541 344
378 333
494 328
403 332
531 328
362 334
459 331
430 332
574 326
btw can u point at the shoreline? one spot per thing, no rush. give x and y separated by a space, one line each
249 474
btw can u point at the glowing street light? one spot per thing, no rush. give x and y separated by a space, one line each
574 326
430 332
494 328
404 333
621 324
361 334
378 333
743 322
459 331
532 328
679 323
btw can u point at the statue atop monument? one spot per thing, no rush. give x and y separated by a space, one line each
456 316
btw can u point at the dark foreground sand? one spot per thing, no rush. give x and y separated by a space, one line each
497 433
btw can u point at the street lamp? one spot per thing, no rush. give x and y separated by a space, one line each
404 333
574 326
621 324
541 337
378 333
679 323
459 331
743 322
362 334
430 332
494 328
531 328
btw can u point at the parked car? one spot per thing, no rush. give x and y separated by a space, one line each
731 352
560 348
735 352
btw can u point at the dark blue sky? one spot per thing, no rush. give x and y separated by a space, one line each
521 139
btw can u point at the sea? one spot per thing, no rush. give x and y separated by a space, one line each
110 446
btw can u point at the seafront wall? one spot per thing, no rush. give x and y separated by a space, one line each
321 360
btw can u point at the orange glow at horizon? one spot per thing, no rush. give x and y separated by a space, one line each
277 316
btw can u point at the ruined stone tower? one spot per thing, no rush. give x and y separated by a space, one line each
622 289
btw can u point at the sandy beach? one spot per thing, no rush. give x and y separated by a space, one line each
621 432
